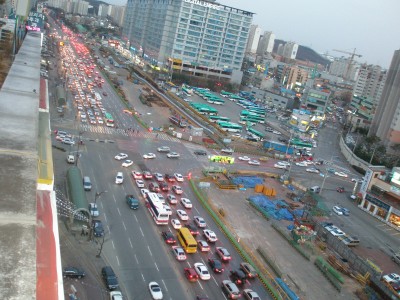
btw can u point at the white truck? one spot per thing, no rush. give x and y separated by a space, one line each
71 159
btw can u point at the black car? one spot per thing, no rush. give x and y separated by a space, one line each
73 272
215 265
164 186
97 227
193 229
168 237
200 152
238 277
109 278
283 140
169 178
252 139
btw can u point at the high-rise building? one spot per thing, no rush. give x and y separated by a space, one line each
293 75
290 50
103 10
370 81
315 99
340 66
117 13
254 38
193 37
266 44
386 122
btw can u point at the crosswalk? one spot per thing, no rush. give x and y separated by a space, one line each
124 132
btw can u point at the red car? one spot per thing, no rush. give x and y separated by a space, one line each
168 237
164 186
147 175
191 274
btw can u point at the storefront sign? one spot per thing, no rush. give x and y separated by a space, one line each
205 4
35 21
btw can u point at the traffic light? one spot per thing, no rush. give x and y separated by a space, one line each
190 175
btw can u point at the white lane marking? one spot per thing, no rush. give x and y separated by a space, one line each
112 242
200 284
117 260
165 286
151 254
136 219
143 277
130 242
119 212
114 199
137 261
196 210
141 231
156 267
224 295
123 223
105 217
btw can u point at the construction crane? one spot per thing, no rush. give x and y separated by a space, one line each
352 54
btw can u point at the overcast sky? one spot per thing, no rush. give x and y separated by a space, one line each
370 26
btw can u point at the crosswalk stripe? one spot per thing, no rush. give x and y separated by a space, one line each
120 131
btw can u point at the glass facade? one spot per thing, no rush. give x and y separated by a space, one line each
199 33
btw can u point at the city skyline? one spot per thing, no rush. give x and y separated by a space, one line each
324 28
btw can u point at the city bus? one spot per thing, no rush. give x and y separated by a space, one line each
248 113
256 134
225 94
204 109
222 159
215 100
253 118
156 209
187 240
187 92
235 98
214 119
229 126
109 120
258 111
298 143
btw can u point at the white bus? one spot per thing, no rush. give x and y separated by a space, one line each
157 210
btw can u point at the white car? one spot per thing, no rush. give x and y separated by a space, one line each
176 224
161 198
254 162
182 214
168 209
186 203
337 233
341 174
250 294
163 149
149 156
201 269
137 175
155 291
276 132
127 163
227 150
159 177
94 211
302 164
278 166
245 158
116 295
139 183
177 189
337 210
173 155
283 163
391 277
312 170
200 221
119 179
144 192
172 199
179 253
210 235
121 156
357 180
178 177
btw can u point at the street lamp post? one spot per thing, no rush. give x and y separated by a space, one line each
97 195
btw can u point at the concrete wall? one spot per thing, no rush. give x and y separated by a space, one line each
351 157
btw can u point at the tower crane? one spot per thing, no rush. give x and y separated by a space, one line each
352 55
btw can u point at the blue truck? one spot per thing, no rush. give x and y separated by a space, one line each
278 147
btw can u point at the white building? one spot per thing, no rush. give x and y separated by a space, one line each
117 13
103 10
339 68
266 44
290 50
254 38
370 82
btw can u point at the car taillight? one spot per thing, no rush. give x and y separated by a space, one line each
239 281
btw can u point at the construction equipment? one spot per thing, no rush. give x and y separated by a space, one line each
350 62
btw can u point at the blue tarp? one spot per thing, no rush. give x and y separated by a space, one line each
248 181
275 209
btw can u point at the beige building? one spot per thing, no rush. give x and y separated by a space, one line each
386 122
293 75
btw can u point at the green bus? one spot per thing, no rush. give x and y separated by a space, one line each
235 98
214 119
229 126
256 134
253 119
258 111
248 113
204 109
225 94
109 120
298 143
215 100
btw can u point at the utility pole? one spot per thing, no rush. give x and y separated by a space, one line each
97 195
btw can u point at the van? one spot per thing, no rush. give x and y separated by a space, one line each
109 278
87 185
315 189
